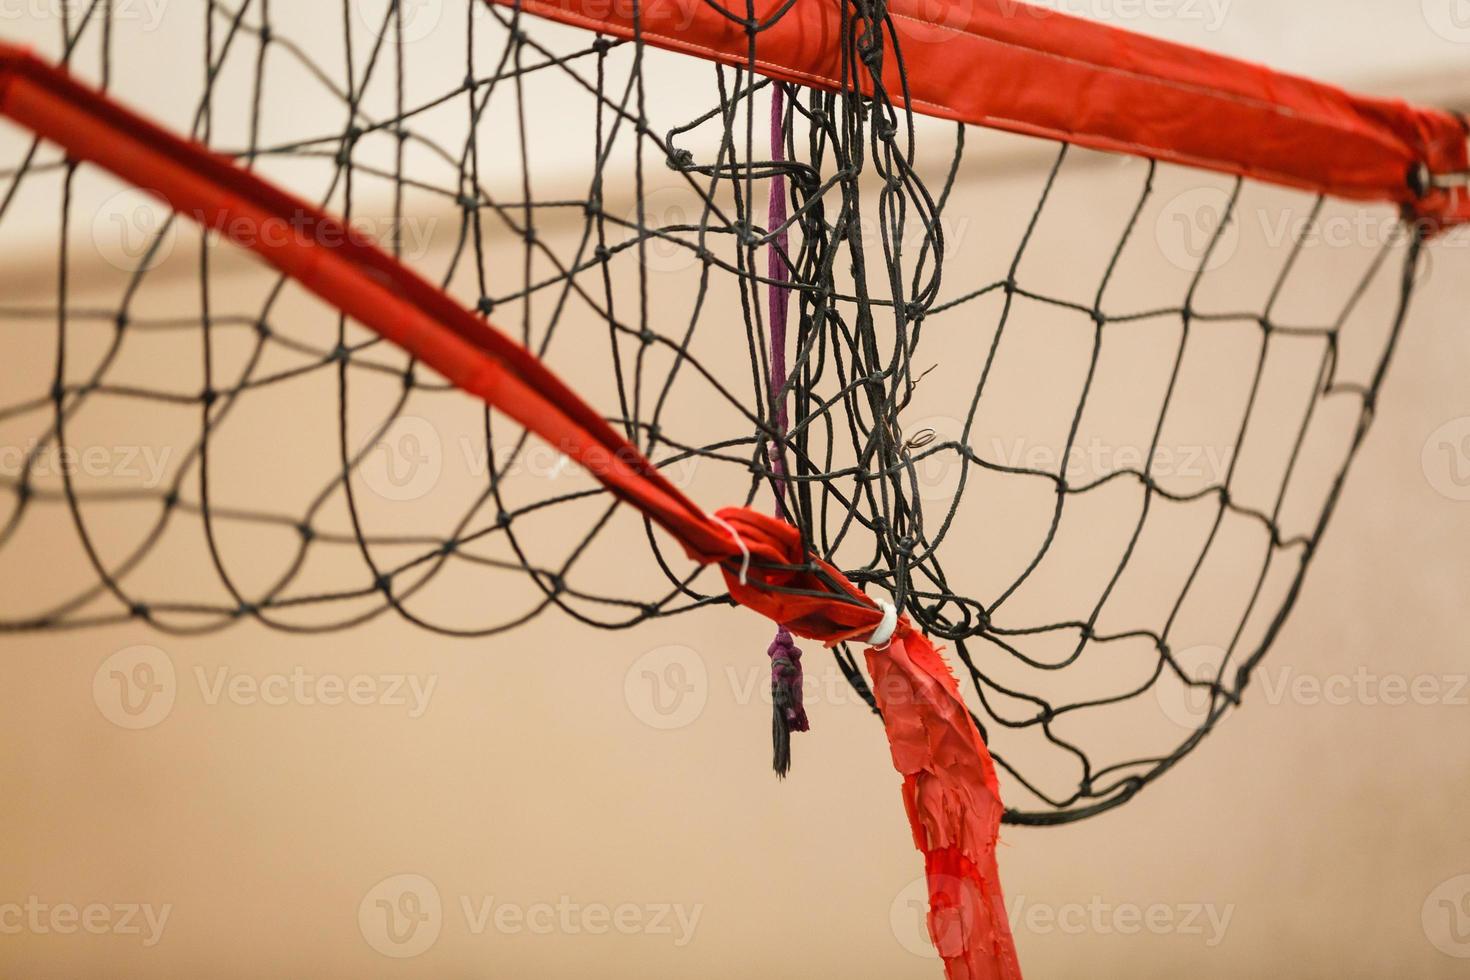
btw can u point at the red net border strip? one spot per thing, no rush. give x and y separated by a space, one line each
1017 67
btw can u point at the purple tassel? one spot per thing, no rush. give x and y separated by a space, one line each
787 713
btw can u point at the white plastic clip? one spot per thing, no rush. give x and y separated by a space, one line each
1457 185
744 551
1428 180
883 635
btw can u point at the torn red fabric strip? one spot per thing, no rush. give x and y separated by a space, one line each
1017 67
761 557
953 804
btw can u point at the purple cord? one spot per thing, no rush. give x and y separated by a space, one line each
780 296
786 677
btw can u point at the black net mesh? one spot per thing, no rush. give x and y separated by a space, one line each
1082 418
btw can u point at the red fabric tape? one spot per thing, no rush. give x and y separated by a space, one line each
1021 68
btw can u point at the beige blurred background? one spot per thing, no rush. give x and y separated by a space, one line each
560 801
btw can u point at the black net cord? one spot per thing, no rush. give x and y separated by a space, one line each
862 305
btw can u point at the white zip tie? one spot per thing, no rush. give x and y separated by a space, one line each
744 551
883 635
